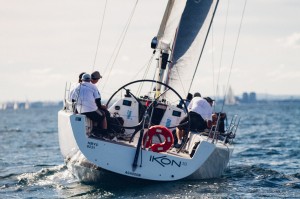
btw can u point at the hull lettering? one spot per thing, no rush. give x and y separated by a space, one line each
91 145
164 161
133 174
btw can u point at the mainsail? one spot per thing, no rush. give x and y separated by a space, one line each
188 38
170 22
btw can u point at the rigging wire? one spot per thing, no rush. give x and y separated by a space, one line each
203 45
185 93
212 60
222 48
145 73
99 37
234 52
121 39
115 49
147 68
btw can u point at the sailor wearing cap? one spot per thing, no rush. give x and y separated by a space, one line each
200 117
209 100
88 101
95 77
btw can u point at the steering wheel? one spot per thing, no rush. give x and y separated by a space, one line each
143 111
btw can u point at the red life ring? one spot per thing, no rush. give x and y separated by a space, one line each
158 147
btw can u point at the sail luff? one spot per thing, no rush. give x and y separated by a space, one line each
169 23
165 19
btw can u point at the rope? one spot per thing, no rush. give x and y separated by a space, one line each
100 32
234 52
122 38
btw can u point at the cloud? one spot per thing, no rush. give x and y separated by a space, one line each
41 71
125 58
280 74
292 40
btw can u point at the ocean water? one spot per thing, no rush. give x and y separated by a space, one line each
265 162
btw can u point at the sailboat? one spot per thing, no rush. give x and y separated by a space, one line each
3 106
26 105
151 118
16 106
230 98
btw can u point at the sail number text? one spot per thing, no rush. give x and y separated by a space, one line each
91 145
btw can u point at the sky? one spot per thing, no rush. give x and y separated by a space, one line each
46 43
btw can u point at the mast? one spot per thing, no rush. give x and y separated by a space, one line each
162 65
165 38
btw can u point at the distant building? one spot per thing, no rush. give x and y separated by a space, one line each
248 97
245 98
252 97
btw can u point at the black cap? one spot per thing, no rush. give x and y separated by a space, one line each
80 76
208 99
189 96
197 94
96 75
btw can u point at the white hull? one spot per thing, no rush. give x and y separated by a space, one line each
97 156
150 110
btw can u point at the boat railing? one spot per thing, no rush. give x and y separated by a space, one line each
232 128
68 105
228 135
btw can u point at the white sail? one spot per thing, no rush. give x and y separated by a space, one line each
230 98
16 106
170 22
27 105
190 40
4 106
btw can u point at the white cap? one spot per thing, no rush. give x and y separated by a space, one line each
86 77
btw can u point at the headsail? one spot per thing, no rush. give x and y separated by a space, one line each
194 26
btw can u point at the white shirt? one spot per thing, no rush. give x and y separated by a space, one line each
85 95
202 107
72 90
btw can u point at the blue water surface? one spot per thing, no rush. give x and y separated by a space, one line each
265 162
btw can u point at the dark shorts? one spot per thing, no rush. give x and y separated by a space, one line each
95 116
196 122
